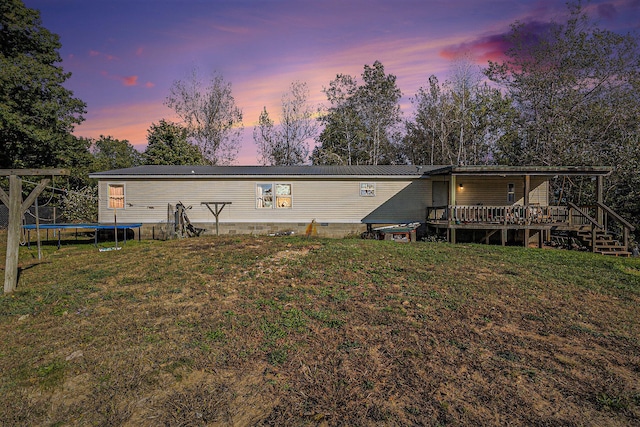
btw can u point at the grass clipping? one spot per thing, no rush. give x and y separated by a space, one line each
291 331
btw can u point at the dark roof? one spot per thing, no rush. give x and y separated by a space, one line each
165 171
160 171
530 170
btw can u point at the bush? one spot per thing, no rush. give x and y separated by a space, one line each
81 205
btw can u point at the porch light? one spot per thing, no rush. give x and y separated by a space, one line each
461 186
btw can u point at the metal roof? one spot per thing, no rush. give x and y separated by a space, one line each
530 170
165 171
365 171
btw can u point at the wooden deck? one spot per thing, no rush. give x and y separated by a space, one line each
528 224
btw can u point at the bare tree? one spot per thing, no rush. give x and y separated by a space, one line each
287 144
266 138
466 79
210 114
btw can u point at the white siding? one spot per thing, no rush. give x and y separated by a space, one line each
325 200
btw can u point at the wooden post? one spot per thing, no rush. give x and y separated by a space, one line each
452 204
13 234
527 189
217 210
599 198
17 207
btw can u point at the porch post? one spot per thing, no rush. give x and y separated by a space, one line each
452 203
599 187
527 189
527 214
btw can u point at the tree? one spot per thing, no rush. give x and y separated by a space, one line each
288 143
111 153
459 122
377 105
339 141
168 145
575 88
37 112
75 155
266 138
210 115
570 84
361 124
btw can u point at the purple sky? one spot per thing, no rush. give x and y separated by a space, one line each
125 54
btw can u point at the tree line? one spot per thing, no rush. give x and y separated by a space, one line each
567 95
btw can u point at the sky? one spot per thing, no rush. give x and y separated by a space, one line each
124 55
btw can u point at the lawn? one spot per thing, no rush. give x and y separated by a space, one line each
259 330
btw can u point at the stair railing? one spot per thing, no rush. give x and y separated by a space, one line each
594 223
627 228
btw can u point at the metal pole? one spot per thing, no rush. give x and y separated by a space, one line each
115 225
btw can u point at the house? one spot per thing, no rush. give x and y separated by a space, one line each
463 203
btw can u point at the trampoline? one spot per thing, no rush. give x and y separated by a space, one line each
85 226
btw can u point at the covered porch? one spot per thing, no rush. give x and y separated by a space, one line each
472 211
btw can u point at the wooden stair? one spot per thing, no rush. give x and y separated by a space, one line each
606 244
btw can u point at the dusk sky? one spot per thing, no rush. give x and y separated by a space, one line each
124 55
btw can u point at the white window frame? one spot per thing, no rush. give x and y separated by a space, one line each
278 201
367 189
111 198
260 198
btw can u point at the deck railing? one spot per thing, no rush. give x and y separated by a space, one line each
512 214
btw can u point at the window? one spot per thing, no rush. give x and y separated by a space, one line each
265 196
511 193
116 196
283 195
367 189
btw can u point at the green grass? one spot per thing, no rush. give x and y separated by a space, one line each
290 331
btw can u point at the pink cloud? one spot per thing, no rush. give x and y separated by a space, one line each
490 48
130 80
149 84
139 51
495 46
96 53
125 80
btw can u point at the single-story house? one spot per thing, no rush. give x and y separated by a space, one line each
462 202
